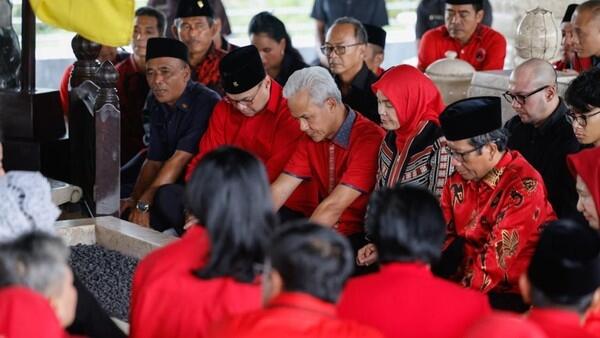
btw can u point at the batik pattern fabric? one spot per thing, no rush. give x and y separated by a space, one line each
425 161
500 217
207 72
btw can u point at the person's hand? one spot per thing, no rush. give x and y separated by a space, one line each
189 221
126 203
367 255
140 218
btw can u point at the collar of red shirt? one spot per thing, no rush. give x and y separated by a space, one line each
408 268
302 302
342 136
553 315
476 34
493 176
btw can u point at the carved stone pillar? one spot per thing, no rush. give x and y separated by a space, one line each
108 141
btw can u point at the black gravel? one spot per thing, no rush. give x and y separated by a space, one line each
107 274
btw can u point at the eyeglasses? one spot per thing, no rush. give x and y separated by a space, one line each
581 119
245 101
510 97
460 156
339 49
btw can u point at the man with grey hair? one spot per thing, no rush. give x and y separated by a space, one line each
494 204
338 153
346 48
541 132
39 261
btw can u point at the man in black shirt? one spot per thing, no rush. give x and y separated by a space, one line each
345 48
541 132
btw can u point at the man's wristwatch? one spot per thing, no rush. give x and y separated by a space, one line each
143 206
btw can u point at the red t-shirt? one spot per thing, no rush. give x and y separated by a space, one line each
350 158
167 300
500 216
406 300
558 323
485 50
272 135
291 315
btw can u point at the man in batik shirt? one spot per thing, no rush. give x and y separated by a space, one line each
495 203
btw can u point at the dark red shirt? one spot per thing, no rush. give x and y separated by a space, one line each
291 315
500 216
132 89
272 135
207 71
557 323
406 300
485 50
350 158
167 300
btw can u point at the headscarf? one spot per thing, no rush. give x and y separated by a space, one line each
25 205
27 314
586 164
414 97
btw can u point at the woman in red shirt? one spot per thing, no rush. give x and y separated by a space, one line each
212 271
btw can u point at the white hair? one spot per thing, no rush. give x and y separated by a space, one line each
317 81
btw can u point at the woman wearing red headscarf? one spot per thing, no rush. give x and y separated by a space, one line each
414 150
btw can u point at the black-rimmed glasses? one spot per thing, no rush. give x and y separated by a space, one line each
339 49
245 101
581 119
521 99
460 156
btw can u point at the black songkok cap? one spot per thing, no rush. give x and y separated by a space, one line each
376 35
165 47
241 69
569 13
187 8
566 262
465 2
471 117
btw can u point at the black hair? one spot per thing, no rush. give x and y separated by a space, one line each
155 13
406 224
267 23
312 259
583 93
359 30
229 195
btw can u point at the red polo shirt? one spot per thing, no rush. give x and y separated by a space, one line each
291 315
500 216
350 158
557 323
485 50
167 300
272 135
406 300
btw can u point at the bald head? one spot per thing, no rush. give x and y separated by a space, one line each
537 72
586 29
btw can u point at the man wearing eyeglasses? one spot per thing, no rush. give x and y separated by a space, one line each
345 48
541 132
179 110
195 26
494 204
463 33
583 96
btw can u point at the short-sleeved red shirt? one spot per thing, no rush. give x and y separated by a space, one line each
350 158
272 135
485 50
167 300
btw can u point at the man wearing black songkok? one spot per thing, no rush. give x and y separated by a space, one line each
562 278
494 203
179 110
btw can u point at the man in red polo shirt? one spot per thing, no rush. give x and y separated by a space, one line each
463 33
305 270
195 26
338 154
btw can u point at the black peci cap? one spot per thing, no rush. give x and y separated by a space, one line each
471 117
165 47
241 69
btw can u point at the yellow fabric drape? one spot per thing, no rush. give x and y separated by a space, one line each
108 22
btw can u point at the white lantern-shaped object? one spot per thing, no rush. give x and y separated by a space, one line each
452 76
537 35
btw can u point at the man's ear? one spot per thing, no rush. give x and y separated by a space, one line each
379 57
174 31
272 287
217 24
479 15
525 288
